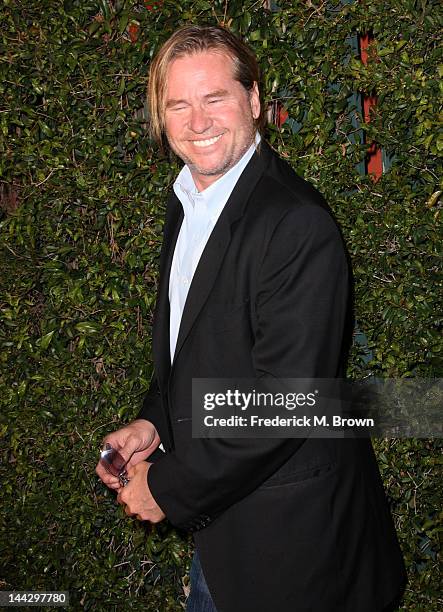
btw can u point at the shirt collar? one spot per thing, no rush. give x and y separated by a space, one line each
214 197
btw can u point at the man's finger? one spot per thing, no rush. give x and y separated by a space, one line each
131 471
130 446
108 479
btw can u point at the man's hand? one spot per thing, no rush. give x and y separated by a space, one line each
135 443
138 498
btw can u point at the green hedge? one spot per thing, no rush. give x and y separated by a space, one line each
83 191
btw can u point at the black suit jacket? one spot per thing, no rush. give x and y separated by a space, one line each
280 524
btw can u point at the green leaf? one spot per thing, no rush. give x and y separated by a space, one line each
88 328
45 340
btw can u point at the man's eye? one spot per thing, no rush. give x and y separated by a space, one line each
215 101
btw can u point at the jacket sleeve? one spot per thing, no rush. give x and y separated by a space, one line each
300 312
152 410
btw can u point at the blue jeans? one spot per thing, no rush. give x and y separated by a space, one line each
199 599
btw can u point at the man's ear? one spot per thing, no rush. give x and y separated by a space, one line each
254 100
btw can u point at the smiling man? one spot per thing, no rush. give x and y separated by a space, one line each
209 116
253 283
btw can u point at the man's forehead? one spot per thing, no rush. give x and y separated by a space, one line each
212 61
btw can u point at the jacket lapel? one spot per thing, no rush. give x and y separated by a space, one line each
160 332
218 243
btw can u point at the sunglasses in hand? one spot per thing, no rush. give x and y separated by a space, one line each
114 463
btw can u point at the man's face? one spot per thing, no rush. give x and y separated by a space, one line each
209 116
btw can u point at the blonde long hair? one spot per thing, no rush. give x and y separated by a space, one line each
192 39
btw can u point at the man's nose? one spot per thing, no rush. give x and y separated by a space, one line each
199 120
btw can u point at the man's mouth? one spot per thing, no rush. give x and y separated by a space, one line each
208 142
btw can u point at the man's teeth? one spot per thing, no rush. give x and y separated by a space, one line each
206 143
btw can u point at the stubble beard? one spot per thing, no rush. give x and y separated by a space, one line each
225 165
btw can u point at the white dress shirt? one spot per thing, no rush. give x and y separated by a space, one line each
201 212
